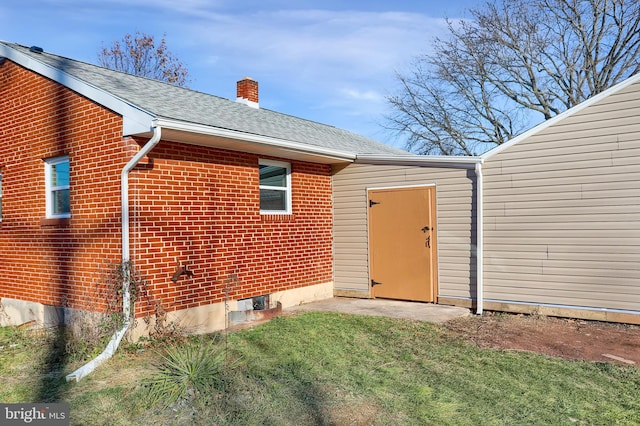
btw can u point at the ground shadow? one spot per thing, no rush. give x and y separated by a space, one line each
52 384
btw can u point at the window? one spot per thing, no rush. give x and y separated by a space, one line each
56 179
275 187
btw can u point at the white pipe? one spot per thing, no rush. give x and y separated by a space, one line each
113 344
479 240
124 188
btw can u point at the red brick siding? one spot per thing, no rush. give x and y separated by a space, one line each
195 205
56 262
201 207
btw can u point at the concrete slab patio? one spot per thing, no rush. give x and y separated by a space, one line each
417 311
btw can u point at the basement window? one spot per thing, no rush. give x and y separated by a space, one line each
56 177
275 187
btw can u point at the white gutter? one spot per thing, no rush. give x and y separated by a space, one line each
113 344
479 239
419 160
267 141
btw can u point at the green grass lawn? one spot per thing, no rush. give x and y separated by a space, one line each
322 369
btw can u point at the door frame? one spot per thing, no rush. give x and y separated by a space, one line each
435 271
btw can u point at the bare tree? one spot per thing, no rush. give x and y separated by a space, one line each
139 55
513 64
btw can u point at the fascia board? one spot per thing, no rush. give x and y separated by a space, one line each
421 160
135 120
253 138
566 114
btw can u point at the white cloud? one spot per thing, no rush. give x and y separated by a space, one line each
345 58
351 43
359 95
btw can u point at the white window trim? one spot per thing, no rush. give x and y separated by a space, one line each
49 189
286 189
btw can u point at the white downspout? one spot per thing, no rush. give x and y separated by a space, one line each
113 344
479 240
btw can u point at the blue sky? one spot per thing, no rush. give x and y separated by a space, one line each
327 61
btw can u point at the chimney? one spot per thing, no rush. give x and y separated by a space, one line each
247 92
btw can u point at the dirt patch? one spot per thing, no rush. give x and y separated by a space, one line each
557 337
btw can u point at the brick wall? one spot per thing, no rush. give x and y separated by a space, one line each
200 207
194 205
57 262
247 88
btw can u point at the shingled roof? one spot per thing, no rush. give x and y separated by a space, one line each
159 100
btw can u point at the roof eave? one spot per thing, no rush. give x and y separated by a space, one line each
240 141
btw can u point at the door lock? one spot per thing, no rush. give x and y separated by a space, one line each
425 228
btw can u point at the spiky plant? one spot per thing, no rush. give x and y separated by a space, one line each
184 371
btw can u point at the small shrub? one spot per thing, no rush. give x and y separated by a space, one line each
184 371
